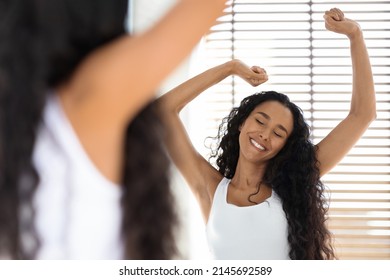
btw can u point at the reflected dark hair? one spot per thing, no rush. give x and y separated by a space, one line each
147 201
41 44
293 173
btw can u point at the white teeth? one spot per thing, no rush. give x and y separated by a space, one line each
257 145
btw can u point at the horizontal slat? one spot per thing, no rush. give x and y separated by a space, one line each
358 218
360 191
363 236
348 227
354 209
364 256
365 165
353 200
365 246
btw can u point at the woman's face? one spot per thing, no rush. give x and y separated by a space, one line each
265 132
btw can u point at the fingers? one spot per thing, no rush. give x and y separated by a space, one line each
258 70
332 19
336 22
254 75
329 22
335 13
256 82
261 76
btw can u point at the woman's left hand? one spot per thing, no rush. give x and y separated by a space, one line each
336 22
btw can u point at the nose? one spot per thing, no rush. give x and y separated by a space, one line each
264 135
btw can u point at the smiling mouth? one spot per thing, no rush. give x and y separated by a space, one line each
257 145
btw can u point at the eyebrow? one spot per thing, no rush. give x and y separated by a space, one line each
268 118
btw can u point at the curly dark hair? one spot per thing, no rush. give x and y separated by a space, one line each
293 174
42 42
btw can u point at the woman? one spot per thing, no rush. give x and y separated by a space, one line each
265 199
71 81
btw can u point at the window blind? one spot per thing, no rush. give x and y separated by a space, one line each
313 67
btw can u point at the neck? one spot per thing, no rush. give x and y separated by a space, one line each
248 175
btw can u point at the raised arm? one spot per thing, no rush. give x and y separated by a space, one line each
341 139
111 86
124 75
199 174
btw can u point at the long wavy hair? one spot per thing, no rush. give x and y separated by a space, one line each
42 43
293 174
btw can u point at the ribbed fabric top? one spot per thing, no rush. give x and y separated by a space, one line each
247 232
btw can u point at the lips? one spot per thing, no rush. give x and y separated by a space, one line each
257 145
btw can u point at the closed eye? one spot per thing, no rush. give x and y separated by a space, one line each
278 135
260 122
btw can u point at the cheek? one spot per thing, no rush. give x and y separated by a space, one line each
240 139
279 144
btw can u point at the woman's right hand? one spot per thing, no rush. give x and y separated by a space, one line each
254 75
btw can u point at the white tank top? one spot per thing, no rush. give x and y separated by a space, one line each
78 213
247 232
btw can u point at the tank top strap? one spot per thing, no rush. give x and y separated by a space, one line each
221 192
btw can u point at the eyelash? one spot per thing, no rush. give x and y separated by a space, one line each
261 123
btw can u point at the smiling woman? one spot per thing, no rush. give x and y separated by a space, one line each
267 129
265 158
313 67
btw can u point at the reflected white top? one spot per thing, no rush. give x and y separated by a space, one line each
78 213
247 232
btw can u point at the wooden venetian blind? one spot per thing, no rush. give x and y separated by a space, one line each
313 67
